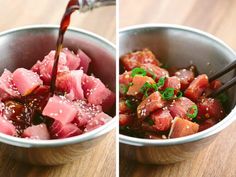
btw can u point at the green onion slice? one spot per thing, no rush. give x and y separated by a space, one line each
192 112
179 94
138 71
168 93
123 88
153 74
129 104
161 82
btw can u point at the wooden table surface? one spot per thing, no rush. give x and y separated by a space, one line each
101 21
217 17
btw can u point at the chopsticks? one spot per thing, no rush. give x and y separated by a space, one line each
228 84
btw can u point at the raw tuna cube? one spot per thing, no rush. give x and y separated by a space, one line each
26 81
67 61
185 76
197 87
180 107
70 82
138 82
36 132
58 130
72 60
124 80
84 61
136 59
96 92
172 82
7 127
99 120
155 71
85 112
162 119
182 127
207 124
210 108
149 105
123 108
61 109
7 87
125 119
44 67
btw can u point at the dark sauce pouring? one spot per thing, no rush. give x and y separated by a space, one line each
65 22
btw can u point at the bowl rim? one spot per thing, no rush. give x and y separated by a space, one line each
191 138
27 143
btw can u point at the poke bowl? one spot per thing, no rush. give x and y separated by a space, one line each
44 142
178 47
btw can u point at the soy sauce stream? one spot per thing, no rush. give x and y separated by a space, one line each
65 22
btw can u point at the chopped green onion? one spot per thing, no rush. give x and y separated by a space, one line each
123 88
153 74
138 71
150 121
179 94
223 98
165 66
129 104
161 82
144 89
192 112
131 83
168 93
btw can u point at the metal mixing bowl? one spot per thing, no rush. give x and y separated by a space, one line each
177 46
22 47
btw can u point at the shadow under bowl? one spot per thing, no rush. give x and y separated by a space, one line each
177 46
22 47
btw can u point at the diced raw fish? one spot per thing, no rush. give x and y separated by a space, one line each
125 78
155 71
44 67
136 59
97 93
123 108
25 80
182 127
197 87
85 112
210 108
125 119
172 82
185 76
61 109
84 61
138 82
72 60
7 87
162 119
99 120
67 61
207 124
150 104
59 130
70 82
7 127
36 132
180 107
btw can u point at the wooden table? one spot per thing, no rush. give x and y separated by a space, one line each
101 21
218 18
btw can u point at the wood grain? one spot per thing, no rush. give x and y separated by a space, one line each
218 18
100 21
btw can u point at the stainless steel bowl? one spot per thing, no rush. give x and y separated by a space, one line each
177 46
22 47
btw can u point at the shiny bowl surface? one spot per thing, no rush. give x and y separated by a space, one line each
22 47
177 46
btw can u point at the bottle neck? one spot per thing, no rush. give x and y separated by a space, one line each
86 5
